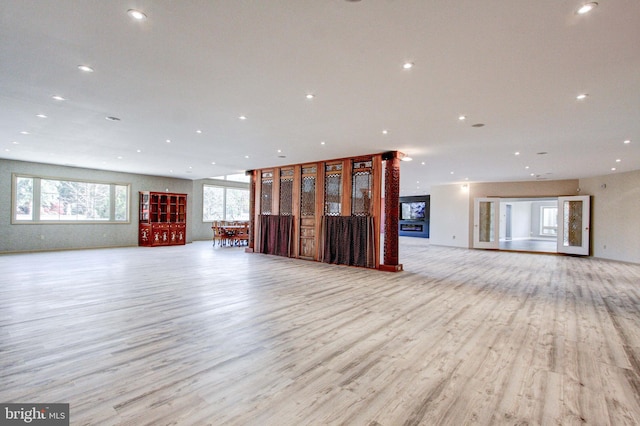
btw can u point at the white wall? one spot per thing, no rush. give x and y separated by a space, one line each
615 215
449 216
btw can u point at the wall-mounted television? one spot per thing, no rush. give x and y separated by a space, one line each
413 210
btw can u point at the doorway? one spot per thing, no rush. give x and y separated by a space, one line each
543 225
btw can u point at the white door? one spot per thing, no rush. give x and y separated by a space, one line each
486 221
573 224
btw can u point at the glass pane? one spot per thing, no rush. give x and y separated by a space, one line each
212 203
361 194
266 196
308 196
486 221
122 195
74 201
286 197
24 198
572 216
549 221
237 204
332 197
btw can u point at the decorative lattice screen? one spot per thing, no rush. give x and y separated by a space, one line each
361 182
266 194
286 192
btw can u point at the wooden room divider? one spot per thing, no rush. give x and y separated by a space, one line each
328 211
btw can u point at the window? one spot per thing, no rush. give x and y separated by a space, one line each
549 221
220 203
48 200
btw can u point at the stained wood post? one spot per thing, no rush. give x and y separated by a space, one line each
391 212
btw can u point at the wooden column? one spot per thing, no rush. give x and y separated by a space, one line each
252 209
391 212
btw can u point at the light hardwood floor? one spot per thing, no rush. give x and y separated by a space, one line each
195 335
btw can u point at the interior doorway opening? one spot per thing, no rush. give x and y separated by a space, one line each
529 224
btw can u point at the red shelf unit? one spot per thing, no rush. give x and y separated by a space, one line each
163 219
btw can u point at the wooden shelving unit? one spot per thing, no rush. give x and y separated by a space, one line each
163 219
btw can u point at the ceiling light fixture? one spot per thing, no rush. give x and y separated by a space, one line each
310 96
627 142
322 143
385 132
586 8
582 96
618 160
24 132
85 68
136 14
462 117
613 169
213 162
407 65
168 140
199 132
406 158
58 98
242 117
41 116
516 153
246 156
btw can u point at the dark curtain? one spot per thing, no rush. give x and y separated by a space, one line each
349 240
275 234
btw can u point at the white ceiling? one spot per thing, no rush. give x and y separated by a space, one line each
515 66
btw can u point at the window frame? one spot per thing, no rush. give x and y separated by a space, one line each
224 185
543 227
37 201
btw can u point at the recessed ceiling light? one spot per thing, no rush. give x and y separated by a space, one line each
526 167
119 157
310 96
516 153
451 173
15 143
213 162
24 132
246 156
7 150
199 131
406 158
462 117
168 140
532 174
279 150
111 118
407 65
322 143
136 14
422 163
613 169
582 96
618 160
242 117
138 150
58 98
85 68
586 8
385 132
41 116
627 141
